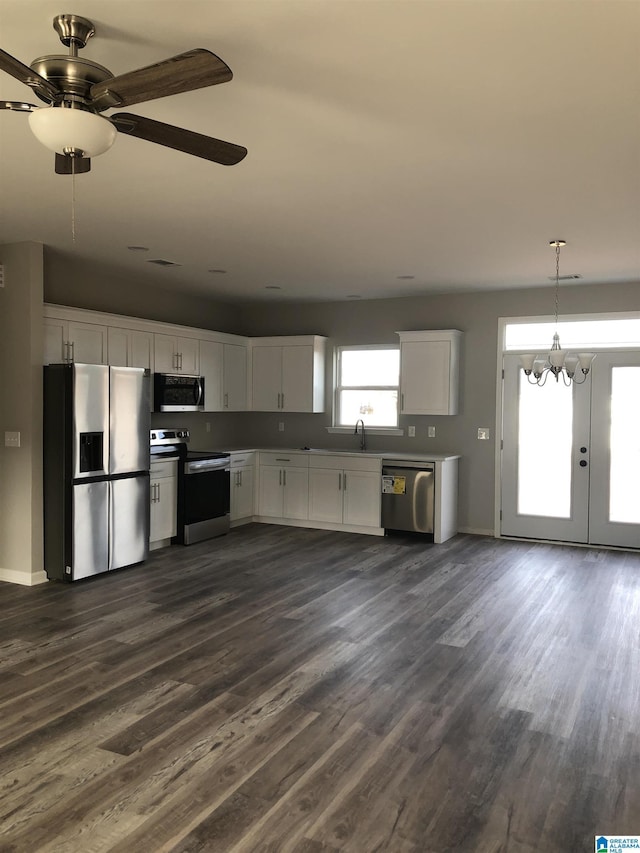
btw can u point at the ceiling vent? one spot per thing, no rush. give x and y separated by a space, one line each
161 263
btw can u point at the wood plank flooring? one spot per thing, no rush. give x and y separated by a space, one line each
281 689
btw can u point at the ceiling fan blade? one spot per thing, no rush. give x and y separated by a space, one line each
194 69
28 76
72 165
197 144
18 106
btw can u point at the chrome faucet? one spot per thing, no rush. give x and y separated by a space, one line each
363 439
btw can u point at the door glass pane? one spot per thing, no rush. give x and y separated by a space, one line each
545 428
624 474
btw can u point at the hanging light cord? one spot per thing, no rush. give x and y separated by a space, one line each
557 279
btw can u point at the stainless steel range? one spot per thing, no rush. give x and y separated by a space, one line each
204 485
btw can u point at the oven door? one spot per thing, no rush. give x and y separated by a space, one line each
207 498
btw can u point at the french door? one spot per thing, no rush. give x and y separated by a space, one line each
571 456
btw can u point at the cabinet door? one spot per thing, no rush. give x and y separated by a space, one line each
164 351
424 368
297 378
118 347
55 336
270 491
88 343
296 493
267 378
211 354
241 493
234 387
189 361
141 350
163 518
361 498
325 495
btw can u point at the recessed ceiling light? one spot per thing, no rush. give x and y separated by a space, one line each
138 248
219 272
272 287
569 277
405 277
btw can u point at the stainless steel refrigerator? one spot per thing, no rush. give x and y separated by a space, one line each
96 469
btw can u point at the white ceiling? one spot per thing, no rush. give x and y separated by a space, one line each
448 140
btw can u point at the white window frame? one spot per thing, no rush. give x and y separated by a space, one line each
337 427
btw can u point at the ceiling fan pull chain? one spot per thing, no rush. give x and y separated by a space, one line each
73 200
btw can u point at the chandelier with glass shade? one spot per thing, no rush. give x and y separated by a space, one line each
558 362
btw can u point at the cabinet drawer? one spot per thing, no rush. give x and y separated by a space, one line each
240 459
166 468
284 459
346 462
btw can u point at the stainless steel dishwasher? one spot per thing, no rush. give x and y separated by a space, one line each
408 492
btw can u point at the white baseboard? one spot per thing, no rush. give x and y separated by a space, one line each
22 578
477 531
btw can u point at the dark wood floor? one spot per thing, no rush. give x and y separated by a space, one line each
296 690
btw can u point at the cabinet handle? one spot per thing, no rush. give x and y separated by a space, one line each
402 401
284 478
158 493
344 482
278 399
72 356
239 478
226 400
283 400
339 482
280 477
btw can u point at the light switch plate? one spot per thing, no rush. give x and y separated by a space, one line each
12 439
280 426
484 433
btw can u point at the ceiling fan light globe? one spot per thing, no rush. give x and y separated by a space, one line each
63 128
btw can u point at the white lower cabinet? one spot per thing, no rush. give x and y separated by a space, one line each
345 495
242 486
283 490
164 496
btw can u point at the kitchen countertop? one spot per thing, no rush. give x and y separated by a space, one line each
331 451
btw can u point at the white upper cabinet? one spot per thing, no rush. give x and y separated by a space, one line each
234 385
67 341
211 354
130 348
429 372
288 374
176 355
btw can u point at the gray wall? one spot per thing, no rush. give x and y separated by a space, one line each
377 321
70 280
21 411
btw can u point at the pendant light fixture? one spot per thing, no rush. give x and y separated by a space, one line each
557 361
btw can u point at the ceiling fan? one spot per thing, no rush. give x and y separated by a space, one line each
78 90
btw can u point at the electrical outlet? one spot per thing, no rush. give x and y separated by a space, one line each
208 426
12 439
484 433
411 432
431 432
281 426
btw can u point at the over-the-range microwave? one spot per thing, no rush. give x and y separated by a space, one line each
175 392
